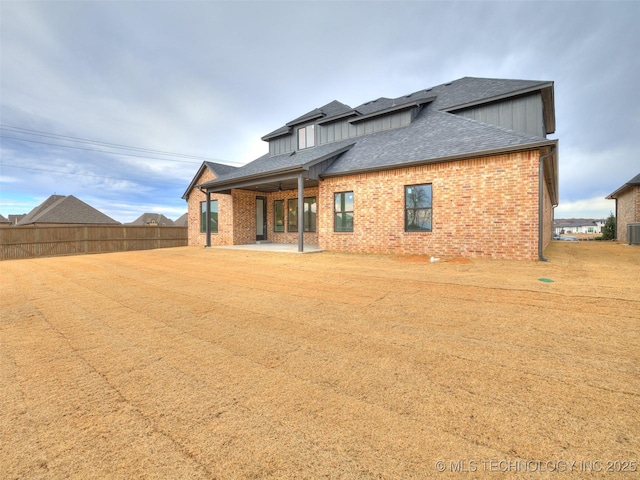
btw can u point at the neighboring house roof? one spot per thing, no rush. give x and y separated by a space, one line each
218 169
435 135
631 183
66 209
577 222
152 219
182 221
4 220
14 219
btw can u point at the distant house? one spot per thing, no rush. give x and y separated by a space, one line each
182 221
460 169
4 221
627 199
578 225
65 210
153 219
15 219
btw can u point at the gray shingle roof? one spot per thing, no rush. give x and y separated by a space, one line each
182 221
432 136
152 219
435 135
268 164
68 210
631 183
219 169
468 90
4 219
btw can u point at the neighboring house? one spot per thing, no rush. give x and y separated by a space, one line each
182 221
15 219
65 210
627 199
578 225
153 219
4 221
461 169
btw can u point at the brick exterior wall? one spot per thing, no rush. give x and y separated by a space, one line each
627 211
547 217
485 207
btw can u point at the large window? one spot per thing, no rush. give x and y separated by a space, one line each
278 216
417 208
309 217
343 212
214 216
306 137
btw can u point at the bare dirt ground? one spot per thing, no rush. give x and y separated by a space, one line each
206 363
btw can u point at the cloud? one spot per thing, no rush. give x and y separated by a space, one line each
595 207
210 78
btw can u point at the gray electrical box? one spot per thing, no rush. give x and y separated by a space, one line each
633 233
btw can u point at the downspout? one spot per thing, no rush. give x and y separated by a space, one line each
541 203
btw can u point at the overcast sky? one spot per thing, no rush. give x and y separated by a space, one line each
208 79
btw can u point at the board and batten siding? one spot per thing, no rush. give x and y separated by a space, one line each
343 129
522 114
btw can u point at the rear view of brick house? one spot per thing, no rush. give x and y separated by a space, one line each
460 169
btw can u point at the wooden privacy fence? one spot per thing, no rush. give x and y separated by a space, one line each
31 242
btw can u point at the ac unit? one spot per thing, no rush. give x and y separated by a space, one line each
633 233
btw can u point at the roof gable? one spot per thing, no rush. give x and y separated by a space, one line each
631 183
218 169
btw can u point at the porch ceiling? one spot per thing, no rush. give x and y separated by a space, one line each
281 185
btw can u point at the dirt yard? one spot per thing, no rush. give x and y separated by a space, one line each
207 363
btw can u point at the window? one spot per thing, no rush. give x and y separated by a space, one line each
278 216
343 212
417 208
309 214
306 137
214 216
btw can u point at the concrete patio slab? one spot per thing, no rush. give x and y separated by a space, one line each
273 247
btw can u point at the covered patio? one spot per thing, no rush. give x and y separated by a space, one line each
288 172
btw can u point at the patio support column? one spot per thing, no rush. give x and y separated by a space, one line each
300 213
208 219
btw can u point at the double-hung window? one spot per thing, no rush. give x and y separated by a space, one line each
343 212
306 137
417 208
309 217
214 216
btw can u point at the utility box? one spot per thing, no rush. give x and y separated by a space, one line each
633 233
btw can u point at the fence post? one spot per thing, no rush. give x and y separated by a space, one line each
37 250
